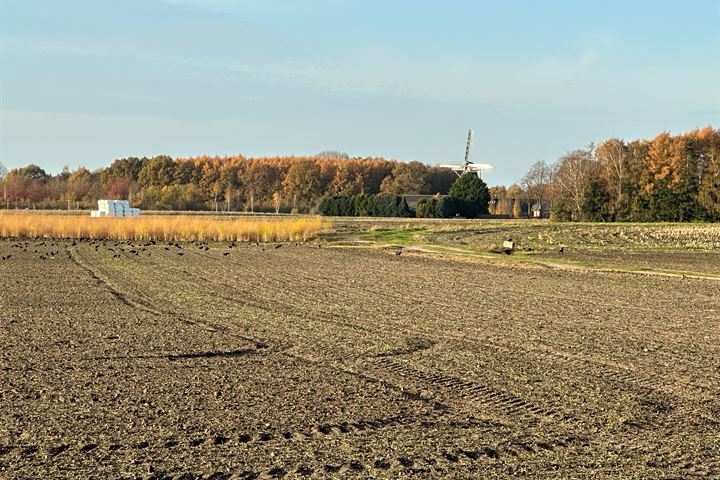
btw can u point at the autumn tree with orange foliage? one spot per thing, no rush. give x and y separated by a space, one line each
252 183
667 178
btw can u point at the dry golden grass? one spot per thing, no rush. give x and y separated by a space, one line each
161 228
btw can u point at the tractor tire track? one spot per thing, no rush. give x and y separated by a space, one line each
142 303
612 374
508 405
444 458
609 374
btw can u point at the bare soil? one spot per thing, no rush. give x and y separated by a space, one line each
271 361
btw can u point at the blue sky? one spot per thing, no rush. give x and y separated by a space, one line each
83 82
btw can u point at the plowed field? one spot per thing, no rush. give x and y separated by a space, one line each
122 360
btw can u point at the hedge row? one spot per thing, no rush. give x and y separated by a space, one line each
446 207
364 206
443 207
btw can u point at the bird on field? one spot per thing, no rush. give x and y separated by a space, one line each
399 252
278 245
179 253
562 249
226 254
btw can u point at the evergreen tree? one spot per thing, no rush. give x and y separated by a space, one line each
667 204
436 207
471 195
596 204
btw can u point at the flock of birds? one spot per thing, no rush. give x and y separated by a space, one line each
116 247
33 248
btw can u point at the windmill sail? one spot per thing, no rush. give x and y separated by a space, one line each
467 165
468 146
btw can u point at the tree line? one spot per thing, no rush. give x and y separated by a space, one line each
667 178
221 183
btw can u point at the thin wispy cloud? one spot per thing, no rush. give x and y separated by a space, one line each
537 83
403 78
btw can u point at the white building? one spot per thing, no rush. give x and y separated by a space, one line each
115 208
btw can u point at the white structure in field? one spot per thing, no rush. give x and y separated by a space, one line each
115 208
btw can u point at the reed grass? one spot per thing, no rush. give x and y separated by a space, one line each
160 227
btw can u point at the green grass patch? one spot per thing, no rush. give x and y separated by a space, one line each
403 236
535 240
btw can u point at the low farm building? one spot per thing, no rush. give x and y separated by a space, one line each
540 210
115 208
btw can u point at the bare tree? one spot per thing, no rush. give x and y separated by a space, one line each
572 175
537 181
612 155
277 201
333 154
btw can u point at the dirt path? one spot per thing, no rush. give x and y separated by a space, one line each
164 361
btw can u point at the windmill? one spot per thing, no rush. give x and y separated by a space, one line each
467 165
